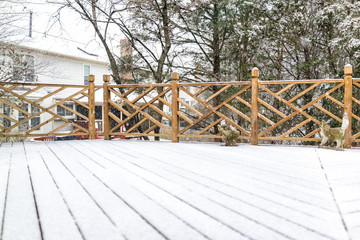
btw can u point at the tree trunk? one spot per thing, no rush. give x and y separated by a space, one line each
216 63
161 62
113 64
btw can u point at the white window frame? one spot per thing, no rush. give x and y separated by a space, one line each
32 110
27 72
86 76
67 114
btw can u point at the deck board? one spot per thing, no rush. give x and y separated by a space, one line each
88 213
160 190
54 211
5 160
111 204
20 215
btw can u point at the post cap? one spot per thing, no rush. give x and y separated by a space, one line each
106 78
255 72
175 76
91 78
348 70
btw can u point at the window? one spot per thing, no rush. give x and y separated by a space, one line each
182 107
36 120
98 112
30 109
7 112
65 112
23 68
22 116
86 74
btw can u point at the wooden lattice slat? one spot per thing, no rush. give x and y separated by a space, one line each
15 107
266 119
136 125
271 107
40 125
196 122
203 89
217 93
335 101
80 103
295 128
327 112
132 89
150 129
304 92
237 112
285 89
8 118
74 112
31 91
50 94
209 126
180 114
143 94
118 107
189 107
312 133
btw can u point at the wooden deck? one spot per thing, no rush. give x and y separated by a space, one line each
159 190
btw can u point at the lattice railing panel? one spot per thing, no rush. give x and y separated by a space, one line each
141 110
294 109
204 106
259 110
30 110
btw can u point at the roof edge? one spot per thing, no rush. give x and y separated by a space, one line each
54 54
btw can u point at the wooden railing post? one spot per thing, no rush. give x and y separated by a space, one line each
254 106
106 107
348 103
91 100
175 107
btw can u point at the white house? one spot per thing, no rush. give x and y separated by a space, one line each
33 65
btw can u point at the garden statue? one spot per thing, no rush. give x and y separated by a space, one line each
230 133
334 134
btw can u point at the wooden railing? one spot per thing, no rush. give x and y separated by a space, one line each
37 107
137 105
269 111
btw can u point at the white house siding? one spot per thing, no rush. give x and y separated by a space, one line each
69 70
56 68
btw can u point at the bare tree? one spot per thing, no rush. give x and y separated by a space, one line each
145 23
11 14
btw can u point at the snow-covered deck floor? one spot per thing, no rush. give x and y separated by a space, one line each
159 190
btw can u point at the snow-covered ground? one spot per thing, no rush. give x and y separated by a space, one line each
161 190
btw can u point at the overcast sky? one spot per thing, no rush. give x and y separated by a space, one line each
47 35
